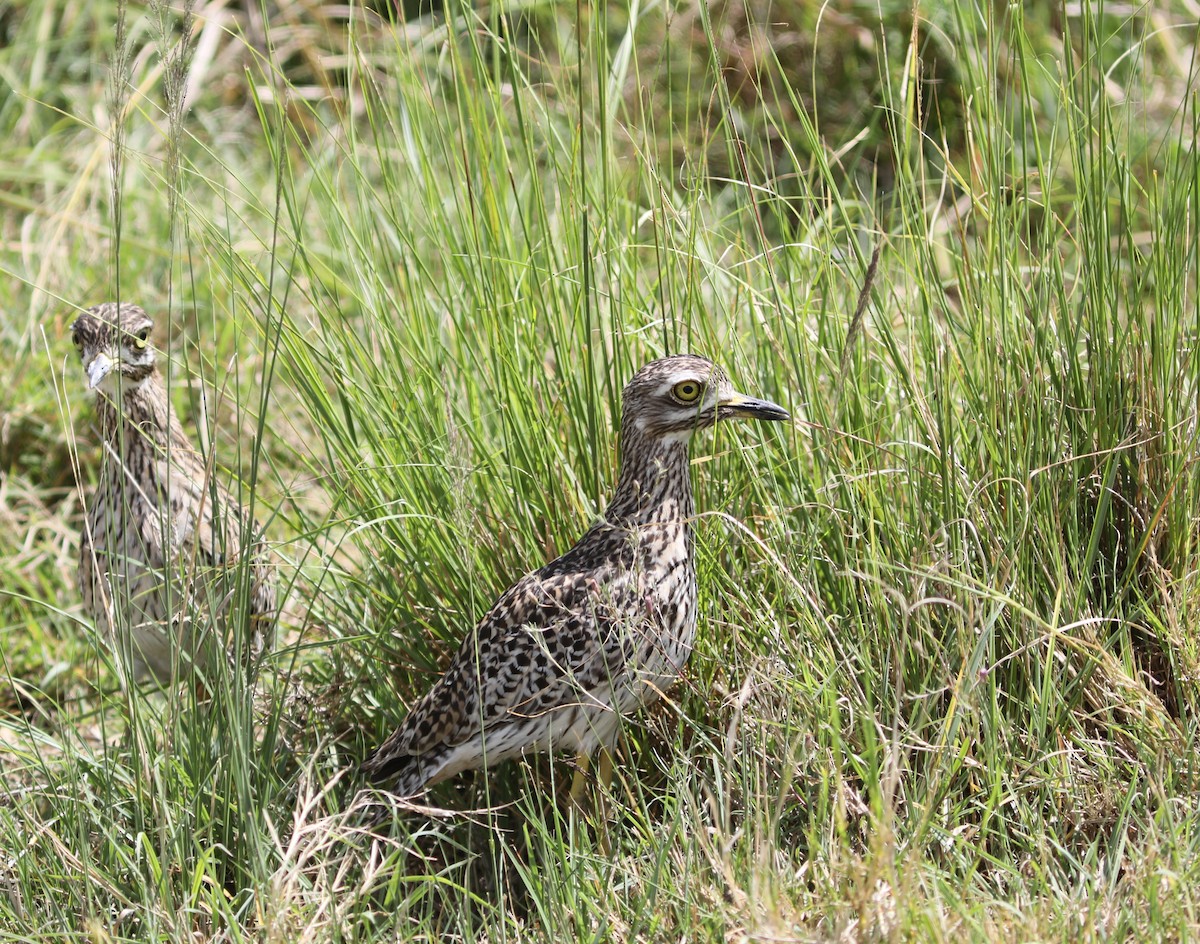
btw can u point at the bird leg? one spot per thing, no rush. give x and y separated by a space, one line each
599 805
604 771
604 775
579 782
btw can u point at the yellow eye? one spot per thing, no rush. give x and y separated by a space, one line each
141 338
687 391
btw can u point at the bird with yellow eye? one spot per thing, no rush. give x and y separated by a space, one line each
571 649
162 535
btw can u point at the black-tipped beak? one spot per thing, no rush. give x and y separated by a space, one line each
740 406
100 367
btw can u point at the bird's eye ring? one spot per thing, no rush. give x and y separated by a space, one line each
686 391
141 338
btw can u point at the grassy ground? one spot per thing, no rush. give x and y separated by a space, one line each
946 677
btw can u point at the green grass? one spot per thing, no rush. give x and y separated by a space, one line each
945 679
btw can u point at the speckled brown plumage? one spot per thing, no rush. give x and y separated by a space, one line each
162 535
599 632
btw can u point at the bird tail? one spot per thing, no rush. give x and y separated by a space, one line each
403 774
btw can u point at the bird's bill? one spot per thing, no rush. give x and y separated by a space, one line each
100 367
740 406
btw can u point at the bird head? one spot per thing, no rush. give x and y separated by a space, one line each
113 342
671 398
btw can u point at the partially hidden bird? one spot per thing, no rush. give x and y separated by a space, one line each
163 536
569 650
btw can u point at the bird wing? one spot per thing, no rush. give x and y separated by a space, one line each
552 637
211 525
109 546
87 576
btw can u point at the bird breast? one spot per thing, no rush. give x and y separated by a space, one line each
668 584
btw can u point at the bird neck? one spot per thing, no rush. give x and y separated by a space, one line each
143 418
655 485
